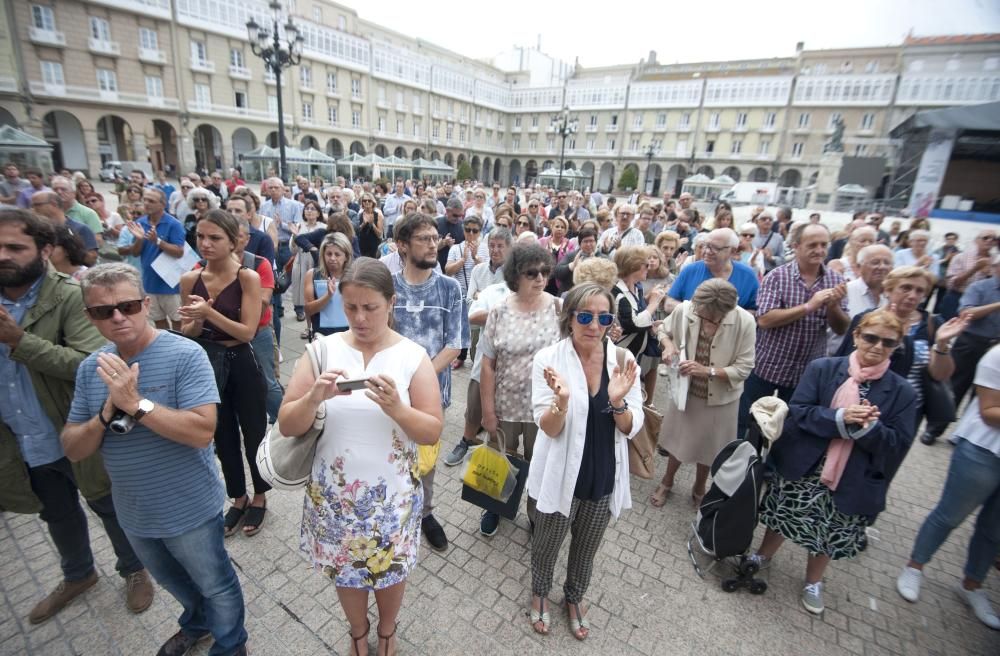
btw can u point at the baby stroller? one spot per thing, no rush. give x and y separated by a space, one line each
724 526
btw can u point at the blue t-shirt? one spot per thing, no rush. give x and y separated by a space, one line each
169 230
742 278
160 488
431 315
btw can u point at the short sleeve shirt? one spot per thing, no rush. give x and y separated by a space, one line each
463 275
161 488
972 427
169 230
742 278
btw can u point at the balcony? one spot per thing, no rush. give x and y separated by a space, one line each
741 128
636 128
152 56
591 128
101 47
533 128
713 128
229 111
400 108
660 127
382 103
202 66
418 110
611 128
464 119
108 95
239 72
52 38
684 127
801 129
436 113
332 93
769 129
91 94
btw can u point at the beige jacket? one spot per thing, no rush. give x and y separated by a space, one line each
733 348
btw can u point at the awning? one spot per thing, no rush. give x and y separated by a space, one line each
13 139
984 117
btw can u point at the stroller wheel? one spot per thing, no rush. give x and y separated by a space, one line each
730 585
750 568
758 587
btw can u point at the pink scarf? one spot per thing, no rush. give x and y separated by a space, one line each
847 394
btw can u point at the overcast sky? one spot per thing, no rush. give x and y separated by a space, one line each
600 34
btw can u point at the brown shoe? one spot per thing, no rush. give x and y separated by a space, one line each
64 593
138 591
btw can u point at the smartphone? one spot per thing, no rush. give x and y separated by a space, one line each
351 384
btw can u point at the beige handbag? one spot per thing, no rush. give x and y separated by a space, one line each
642 446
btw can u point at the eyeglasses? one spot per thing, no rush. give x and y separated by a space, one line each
102 312
524 223
533 273
426 239
473 231
629 214
873 340
201 200
584 318
712 248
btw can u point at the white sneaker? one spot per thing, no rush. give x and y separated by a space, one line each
812 597
980 605
908 584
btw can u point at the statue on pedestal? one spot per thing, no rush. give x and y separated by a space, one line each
836 142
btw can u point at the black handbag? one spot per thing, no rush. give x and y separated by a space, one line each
939 402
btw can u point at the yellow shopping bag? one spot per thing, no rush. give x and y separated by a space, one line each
488 470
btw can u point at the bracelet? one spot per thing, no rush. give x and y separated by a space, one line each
940 352
100 417
617 411
555 409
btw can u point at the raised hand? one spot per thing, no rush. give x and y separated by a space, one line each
557 385
621 382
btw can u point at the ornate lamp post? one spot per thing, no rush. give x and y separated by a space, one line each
564 127
652 150
267 44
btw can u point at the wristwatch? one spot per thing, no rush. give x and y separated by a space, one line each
711 372
145 407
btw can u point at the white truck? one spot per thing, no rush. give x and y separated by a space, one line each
751 193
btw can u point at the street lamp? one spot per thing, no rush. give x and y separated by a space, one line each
564 126
652 150
277 55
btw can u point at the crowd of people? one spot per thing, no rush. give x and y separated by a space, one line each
135 374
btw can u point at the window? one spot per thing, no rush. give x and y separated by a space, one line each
306 76
661 120
272 105
436 130
331 116
590 143
515 143
709 147
517 121
106 80
713 120
199 52
381 122
52 74
868 122
860 150
381 93
571 143
633 145
148 39
611 144
399 99
534 121
551 144
240 99
685 120
43 18
449 132
593 120
872 66
416 129
819 69
355 119
331 82
614 119
533 145
737 146
741 120
682 147
770 119
317 14
765 147
154 86
341 22
355 87
236 58
203 95
835 117
637 121
99 29
797 149
804 120
307 112
399 126
417 105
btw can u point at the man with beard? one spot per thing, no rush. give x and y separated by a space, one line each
44 336
429 311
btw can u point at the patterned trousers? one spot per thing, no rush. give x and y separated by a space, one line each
586 522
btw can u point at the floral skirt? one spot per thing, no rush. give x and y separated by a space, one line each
803 511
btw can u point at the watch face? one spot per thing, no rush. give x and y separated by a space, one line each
146 405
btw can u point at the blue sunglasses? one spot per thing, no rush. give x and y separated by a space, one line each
604 318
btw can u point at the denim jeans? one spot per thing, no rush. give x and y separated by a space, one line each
263 348
754 388
55 487
281 259
195 568
973 481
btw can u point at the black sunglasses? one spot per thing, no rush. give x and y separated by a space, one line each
102 312
524 223
584 318
474 231
887 342
533 273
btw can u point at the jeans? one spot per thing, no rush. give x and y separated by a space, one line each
282 256
263 348
973 481
55 487
754 388
195 568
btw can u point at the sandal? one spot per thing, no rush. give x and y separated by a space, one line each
540 616
233 518
363 636
659 496
578 625
254 518
387 638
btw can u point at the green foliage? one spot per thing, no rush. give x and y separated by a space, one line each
629 179
464 171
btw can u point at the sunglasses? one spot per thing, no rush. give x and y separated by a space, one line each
533 273
605 319
201 200
102 312
473 231
524 223
873 340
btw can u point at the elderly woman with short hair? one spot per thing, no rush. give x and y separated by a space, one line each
199 201
710 340
587 406
633 306
917 254
848 265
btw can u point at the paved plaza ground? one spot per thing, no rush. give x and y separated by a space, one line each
645 597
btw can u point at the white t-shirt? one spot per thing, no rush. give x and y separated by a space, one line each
972 427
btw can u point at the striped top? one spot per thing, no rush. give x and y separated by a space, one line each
160 488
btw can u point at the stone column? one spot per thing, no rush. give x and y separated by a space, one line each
93 148
140 147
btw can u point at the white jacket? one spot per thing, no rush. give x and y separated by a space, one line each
555 462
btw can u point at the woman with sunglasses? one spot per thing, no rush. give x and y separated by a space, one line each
526 322
524 224
710 341
587 406
199 202
926 345
324 305
221 304
850 424
372 230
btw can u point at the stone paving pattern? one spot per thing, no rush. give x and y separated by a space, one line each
645 597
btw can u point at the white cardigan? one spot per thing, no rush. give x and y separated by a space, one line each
555 462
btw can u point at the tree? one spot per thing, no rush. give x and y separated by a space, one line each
629 179
464 171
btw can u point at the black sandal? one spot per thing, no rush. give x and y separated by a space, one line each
233 518
386 638
363 636
254 517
